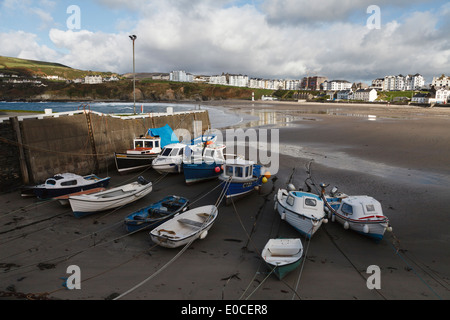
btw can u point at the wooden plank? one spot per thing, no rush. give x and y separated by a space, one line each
191 223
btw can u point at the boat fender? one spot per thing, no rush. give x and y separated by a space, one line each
291 187
203 235
325 221
283 215
333 218
389 229
346 225
366 228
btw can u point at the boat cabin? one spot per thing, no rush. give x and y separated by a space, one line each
173 150
209 154
146 145
67 180
305 202
360 206
238 169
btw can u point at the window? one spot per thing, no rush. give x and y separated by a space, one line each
156 144
229 171
51 182
310 202
148 144
248 172
138 144
290 200
166 152
174 152
239 172
347 209
370 208
69 183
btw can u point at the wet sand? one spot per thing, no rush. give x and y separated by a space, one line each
39 240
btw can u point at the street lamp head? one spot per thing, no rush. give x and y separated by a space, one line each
133 37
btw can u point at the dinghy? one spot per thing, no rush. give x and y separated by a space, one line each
87 204
156 213
302 210
283 255
185 227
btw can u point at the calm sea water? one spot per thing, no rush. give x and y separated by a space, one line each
219 117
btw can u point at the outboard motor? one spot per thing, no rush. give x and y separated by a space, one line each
143 181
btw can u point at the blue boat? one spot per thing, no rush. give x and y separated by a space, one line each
240 178
156 213
203 163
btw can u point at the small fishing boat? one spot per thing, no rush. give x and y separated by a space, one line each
241 177
87 204
145 149
302 210
170 160
156 213
283 255
185 227
67 183
362 214
64 200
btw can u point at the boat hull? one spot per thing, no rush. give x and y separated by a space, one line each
237 190
194 173
48 193
126 163
167 168
89 204
283 256
373 230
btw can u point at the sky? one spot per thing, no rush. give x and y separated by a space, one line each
275 39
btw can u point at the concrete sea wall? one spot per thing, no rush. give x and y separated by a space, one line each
33 148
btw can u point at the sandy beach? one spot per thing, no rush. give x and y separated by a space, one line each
399 155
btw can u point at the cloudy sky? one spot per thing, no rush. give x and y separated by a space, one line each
288 39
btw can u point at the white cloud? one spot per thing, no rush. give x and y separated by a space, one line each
25 45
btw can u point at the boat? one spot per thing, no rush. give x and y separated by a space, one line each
362 214
201 163
64 200
241 177
302 210
87 204
145 149
67 183
170 160
185 227
156 213
283 255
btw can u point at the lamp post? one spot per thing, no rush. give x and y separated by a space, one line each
133 38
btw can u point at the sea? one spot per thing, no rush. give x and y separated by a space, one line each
219 117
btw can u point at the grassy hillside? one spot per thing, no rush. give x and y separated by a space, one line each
31 67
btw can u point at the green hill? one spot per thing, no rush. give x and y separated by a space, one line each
40 68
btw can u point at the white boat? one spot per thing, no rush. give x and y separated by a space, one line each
302 210
185 227
87 204
145 150
283 255
362 214
171 159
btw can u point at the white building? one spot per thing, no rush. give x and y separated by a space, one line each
421 98
378 83
336 85
401 83
441 82
367 95
238 80
218 80
344 95
181 76
442 96
93 80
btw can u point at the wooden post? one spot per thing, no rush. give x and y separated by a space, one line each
22 160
